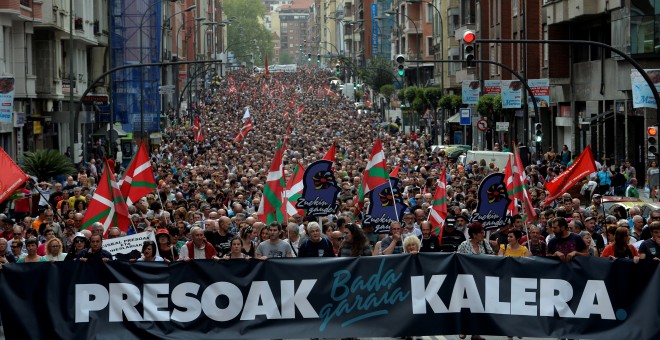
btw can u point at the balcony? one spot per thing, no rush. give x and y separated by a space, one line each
410 27
561 11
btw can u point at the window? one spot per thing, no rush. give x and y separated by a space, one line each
545 47
493 70
429 13
514 7
468 12
429 46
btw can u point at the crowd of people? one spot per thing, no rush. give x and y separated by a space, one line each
209 191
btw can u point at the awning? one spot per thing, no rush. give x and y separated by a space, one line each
455 119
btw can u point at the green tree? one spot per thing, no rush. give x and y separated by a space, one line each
412 92
247 32
285 58
386 90
451 102
46 164
456 102
377 73
485 105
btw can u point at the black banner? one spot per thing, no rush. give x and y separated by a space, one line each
398 295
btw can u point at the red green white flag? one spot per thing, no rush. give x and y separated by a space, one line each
512 208
294 190
107 205
139 179
438 213
375 172
270 208
520 188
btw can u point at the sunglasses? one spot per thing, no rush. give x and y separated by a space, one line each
13 246
78 241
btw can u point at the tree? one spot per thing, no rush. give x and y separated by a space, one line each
432 95
285 58
376 74
247 32
386 90
485 105
456 102
412 92
46 164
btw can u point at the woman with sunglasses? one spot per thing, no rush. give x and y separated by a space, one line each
80 242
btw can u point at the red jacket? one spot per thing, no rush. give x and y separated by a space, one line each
208 249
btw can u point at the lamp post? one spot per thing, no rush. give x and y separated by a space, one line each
419 40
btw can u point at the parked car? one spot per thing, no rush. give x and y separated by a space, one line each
610 203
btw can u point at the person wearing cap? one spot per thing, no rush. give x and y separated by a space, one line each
80 242
451 238
165 249
461 224
596 204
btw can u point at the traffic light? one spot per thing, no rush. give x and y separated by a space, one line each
309 57
468 47
337 72
400 59
538 132
652 138
318 58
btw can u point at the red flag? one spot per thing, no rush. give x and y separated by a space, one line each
300 110
107 205
247 127
197 131
395 173
330 155
270 208
512 208
139 179
583 166
266 65
438 213
12 176
520 188
294 190
375 172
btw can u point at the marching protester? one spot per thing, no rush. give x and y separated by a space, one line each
315 245
197 248
95 253
274 247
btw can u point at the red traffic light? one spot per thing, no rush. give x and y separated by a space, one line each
652 131
469 37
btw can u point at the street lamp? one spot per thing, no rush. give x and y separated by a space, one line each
419 38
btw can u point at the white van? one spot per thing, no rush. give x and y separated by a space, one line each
499 158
